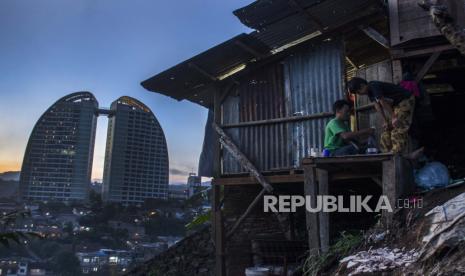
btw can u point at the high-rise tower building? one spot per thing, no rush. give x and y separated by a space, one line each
136 156
58 159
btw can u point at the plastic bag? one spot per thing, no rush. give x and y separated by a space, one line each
432 175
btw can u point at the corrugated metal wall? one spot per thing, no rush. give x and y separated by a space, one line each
314 81
308 82
231 116
262 98
258 96
381 71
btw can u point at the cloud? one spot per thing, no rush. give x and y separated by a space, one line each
175 171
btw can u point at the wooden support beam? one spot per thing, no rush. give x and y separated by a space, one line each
202 71
311 189
249 49
390 180
349 159
218 233
217 216
398 54
394 21
241 158
246 213
323 217
396 71
281 120
351 62
354 175
431 60
376 36
397 181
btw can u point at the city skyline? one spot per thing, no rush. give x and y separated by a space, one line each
54 48
58 159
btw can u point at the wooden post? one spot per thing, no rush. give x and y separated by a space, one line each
246 213
394 21
427 66
323 189
218 226
376 36
396 71
390 186
311 189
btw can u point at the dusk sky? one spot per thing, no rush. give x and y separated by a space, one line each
50 48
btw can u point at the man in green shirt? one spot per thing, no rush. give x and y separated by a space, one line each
339 139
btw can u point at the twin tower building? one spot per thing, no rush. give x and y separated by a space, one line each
57 163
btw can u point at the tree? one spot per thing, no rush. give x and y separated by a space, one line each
6 236
95 200
68 228
65 263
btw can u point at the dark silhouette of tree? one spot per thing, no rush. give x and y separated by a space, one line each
65 263
7 236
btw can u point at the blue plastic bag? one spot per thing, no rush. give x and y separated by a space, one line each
432 175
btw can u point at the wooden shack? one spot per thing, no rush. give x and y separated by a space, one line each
271 92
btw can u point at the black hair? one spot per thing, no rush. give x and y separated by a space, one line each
355 84
339 104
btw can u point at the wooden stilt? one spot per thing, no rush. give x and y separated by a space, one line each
323 217
217 216
311 190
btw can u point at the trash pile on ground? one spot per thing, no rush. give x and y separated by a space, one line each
435 243
378 260
447 226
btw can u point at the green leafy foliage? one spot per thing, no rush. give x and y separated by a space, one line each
199 220
6 236
315 262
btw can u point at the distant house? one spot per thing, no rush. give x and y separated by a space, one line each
134 231
17 266
178 191
95 262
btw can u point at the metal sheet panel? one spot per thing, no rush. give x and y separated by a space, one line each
314 81
231 116
206 156
306 83
282 22
262 97
259 96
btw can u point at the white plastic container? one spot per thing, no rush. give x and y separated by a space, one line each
257 271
